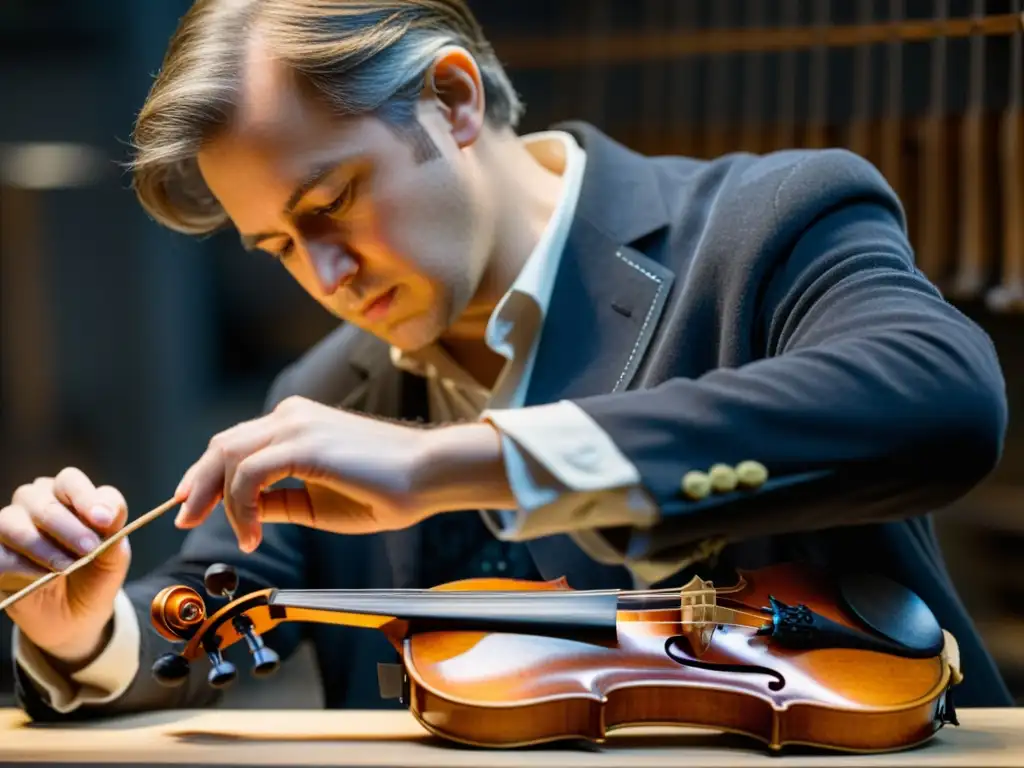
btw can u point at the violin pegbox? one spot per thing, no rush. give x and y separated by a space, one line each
179 614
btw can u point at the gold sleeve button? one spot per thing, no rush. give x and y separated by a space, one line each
723 478
696 485
751 474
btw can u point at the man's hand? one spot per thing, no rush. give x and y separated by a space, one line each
362 475
49 524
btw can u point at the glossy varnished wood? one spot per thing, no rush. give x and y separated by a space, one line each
509 690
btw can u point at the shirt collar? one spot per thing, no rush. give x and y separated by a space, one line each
536 280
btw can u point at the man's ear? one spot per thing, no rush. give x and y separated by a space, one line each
454 83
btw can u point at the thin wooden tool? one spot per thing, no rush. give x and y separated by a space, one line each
130 528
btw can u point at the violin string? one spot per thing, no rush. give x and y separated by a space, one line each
692 623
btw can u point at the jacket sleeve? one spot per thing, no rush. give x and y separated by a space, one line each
869 397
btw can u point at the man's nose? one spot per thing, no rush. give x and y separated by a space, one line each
332 264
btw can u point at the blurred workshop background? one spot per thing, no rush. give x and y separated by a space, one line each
123 347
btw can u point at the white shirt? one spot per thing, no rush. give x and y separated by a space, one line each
559 461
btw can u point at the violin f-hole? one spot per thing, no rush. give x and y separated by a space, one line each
777 683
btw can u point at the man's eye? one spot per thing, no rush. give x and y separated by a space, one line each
336 205
282 252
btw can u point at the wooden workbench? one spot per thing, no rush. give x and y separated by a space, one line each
985 739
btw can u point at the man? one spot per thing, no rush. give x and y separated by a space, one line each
638 369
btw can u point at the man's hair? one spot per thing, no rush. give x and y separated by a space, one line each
357 57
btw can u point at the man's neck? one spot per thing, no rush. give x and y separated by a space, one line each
477 359
526 193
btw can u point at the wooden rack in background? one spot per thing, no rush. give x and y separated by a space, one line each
699 72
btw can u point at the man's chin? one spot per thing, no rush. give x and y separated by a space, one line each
411 335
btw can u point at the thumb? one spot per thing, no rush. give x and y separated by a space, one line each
98 583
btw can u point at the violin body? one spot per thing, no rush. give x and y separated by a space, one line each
786 656
499 689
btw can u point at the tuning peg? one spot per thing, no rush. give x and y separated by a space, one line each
265 660
222 672
171 670
221 580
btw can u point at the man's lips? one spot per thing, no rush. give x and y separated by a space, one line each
378 308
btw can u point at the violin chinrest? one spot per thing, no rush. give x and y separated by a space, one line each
892 611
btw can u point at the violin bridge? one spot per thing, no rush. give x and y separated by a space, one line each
698 613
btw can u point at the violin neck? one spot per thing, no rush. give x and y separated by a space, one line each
572 615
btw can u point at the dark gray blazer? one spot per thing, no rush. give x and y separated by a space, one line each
750 307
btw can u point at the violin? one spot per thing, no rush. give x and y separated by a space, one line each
787 655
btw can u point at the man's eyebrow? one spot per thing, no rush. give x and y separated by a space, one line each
311 181
251 242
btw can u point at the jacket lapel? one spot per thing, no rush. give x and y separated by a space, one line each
608 294
606 303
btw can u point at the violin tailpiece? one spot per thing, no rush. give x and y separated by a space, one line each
797 626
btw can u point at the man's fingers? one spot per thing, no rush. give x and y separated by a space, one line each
185 486
72 488
317 507
13 563
17 572
19 535
110 498
61 526
203 494
254 473
64 527
205 481
288 506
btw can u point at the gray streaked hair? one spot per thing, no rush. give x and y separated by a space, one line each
359 57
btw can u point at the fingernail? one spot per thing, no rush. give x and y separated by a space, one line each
179 518
60 563
88 543
101 516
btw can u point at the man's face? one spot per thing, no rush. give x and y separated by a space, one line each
380 236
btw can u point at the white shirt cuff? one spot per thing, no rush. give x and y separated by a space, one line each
566 474
104 680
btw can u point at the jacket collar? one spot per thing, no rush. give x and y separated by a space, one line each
621 196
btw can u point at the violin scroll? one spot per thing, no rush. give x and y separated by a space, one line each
176 612
179 614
